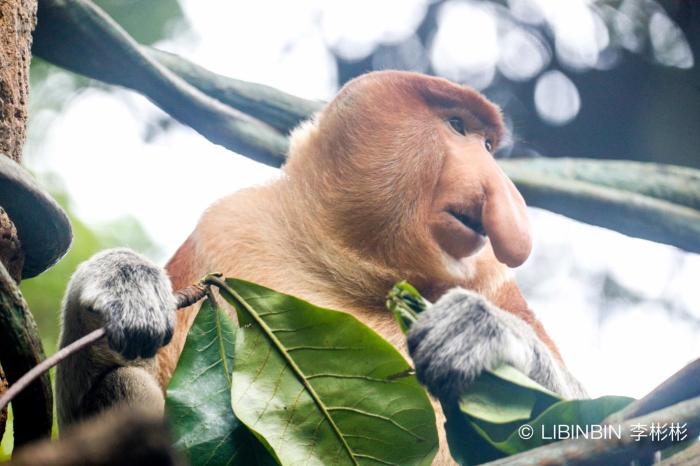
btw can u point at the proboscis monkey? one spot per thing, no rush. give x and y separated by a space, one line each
394 179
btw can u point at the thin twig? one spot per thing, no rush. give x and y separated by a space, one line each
190 295
48 363
183 298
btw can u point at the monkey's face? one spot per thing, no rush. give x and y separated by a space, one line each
400 168
474 200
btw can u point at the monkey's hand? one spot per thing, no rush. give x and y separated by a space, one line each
130 296
463 334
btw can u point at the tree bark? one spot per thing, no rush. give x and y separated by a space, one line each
17 21
3 412
33 410
11 254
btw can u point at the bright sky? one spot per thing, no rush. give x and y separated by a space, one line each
96 145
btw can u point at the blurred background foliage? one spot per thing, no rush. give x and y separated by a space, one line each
601 79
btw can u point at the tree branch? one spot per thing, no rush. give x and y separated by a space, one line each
79 36
276 108
650 201
682 385
687 457
20 351
3 411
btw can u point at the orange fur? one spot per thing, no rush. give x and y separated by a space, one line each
350 214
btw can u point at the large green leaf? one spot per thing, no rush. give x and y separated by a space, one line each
319 387
198 401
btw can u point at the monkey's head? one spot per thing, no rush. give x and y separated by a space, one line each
402 170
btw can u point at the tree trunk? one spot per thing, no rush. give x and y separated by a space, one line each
17 21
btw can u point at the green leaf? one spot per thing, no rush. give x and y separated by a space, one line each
583 413
318 387
198 401
474 440
505 395
405 302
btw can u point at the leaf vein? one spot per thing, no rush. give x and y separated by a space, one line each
376 416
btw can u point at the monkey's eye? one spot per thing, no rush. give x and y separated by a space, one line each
457 124
488 144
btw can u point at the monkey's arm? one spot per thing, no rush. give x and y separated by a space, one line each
132 298
463 334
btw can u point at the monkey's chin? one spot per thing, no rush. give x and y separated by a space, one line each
455 238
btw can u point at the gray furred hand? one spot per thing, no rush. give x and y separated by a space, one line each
462 334
131 296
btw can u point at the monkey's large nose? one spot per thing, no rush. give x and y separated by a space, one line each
504 216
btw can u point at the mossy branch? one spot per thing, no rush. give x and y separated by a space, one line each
20 351
651 201
278 109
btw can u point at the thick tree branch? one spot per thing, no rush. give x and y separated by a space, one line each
676 185
79 36
276 108
687 457
3 411
20 351
17 20
650 201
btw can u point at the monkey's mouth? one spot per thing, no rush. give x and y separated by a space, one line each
468 221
